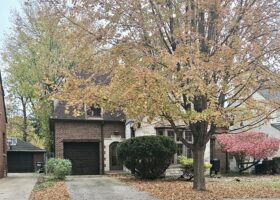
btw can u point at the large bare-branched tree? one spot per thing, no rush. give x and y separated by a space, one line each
193 61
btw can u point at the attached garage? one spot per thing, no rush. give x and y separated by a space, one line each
84 157
23 156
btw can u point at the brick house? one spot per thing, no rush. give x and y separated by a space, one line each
74 136
88 140
3 121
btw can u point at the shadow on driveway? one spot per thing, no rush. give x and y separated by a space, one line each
102 188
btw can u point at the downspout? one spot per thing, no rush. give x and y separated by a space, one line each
52 134
102 148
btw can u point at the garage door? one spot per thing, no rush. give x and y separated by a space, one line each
84 157
20 162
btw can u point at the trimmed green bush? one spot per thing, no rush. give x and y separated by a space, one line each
188 163
59 167
50 165
147 157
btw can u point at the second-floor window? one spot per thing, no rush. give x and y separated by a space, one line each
93 111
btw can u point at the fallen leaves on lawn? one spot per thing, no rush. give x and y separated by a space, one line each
216 190
58 191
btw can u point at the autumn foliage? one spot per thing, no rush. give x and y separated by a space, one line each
257 145
194 62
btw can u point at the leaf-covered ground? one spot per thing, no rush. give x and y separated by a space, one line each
50 190
226 187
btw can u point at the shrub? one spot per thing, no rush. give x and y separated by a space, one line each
188 163
148 156
50 165
59 167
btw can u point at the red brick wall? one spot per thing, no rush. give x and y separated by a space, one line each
111 127
83 131
37 157
2 136
74 130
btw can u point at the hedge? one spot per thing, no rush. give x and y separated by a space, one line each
147 157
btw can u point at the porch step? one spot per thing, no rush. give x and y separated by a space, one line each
174 171
115 172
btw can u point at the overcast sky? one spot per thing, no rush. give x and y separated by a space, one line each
6 6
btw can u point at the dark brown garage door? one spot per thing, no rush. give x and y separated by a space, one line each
84 157
20 162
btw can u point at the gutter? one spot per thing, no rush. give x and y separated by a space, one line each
52 134
31 151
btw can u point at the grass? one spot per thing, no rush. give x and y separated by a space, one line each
44 182
273 183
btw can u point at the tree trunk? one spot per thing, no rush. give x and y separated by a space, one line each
25 125
199 179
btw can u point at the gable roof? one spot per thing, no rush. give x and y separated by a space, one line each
22 146
276 125
270 95
61 112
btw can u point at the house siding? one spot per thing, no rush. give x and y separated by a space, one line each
38 157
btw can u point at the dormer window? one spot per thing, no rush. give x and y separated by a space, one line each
93 111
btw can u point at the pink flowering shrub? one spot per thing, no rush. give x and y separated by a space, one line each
257 145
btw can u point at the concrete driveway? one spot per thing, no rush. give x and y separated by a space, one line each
102 188
17 186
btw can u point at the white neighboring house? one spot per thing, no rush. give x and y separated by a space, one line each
163 128
271 126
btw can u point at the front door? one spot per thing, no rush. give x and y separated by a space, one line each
115 164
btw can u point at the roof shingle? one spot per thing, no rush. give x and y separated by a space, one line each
22 146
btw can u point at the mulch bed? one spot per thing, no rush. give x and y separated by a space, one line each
217 189
56 191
